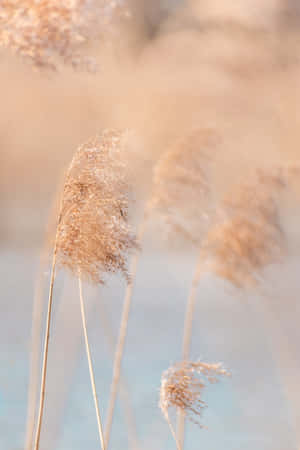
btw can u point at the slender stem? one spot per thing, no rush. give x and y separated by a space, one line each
189 314
187 335
178 444
34 356
122 338
45 354
36 332
57 207
124 389
91 370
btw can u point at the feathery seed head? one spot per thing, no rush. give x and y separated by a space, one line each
258 197
46 31
238 248
182 387
93 233
182 184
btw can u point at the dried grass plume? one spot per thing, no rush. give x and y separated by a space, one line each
182 387
94 236
182 194
51 31
251 237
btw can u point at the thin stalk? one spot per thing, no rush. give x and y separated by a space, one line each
91 370
45 354
37 320
36 332
122 337
189 313
34 354
124 389
187 336
178 444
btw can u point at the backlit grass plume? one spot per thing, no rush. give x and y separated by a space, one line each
250 238
183 198
181 177
93 236
182 388
241 248
237 248
51 31
259 196
182 185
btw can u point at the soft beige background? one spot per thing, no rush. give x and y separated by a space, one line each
200 64
230 65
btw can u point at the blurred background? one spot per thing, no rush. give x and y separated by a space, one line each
173 66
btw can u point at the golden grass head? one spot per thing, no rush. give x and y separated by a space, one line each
239 249
259 196
182 387
182 184
242 245
93 235
51 31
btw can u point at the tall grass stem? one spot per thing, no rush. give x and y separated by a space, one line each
126 403
187 336
36 332
90 364
178 444
45 353
35 351
122 336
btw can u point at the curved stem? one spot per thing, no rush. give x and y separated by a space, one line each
122 338
187 336
124 389
45 354
91 370
34 355
36 332
178 444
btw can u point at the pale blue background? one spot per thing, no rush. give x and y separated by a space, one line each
246 411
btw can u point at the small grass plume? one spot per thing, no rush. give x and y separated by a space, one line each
182 388
48 32
92 234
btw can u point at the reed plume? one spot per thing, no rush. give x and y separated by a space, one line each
182 387
183 198
251 237
247 241
179 175
93 236
264 219
48 32
182 194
